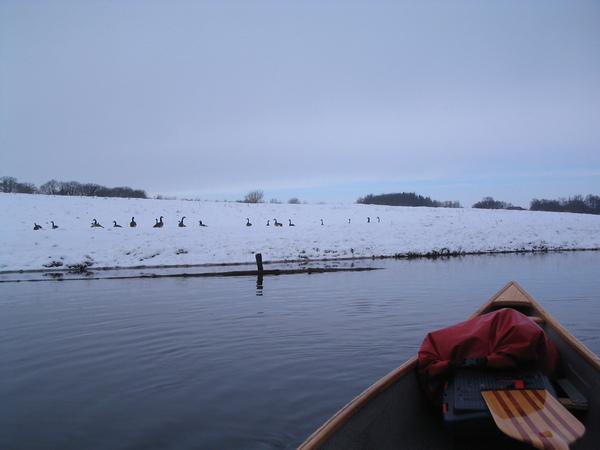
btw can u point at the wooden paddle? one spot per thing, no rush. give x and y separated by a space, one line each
534 416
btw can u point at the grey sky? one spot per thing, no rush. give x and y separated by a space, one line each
327 99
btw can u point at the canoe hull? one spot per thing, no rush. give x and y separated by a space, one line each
394 414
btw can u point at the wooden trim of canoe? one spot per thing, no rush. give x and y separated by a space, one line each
510 295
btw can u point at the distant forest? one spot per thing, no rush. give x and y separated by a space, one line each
54 187
490 203
576 204
405 199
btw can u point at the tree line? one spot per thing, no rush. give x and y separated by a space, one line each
490 203
69 188
405 199
576 204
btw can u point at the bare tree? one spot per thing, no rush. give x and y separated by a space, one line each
51 187
254 197
25 188
593 202
450 204
294 201
8 184
70 188
90 189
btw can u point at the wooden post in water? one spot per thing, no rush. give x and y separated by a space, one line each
259 276
259 263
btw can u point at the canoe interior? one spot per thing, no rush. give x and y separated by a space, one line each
394 415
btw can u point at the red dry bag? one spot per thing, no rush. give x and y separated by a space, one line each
503 339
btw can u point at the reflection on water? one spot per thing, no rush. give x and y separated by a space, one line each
259 285
212 363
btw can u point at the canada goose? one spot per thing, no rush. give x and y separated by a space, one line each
291 224
248 224
268 224
277 224
116 225
54 227
322 222
201 224
378 219
159 223
368 220
36 226
96 224
181 224
132 224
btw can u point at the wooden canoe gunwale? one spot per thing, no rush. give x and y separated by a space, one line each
325 431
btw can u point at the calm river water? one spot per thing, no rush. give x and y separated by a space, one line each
206 363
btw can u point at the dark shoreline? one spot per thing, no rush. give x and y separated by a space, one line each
239 273
87 272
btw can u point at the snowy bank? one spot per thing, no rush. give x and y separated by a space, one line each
227 239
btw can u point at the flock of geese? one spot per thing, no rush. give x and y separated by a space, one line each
159 223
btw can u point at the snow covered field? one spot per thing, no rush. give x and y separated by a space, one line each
227 239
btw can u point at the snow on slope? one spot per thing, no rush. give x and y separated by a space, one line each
228 240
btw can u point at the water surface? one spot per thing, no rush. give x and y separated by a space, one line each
206 363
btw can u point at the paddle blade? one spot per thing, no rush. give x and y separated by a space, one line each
533 416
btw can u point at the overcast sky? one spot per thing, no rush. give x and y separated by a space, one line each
323 100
